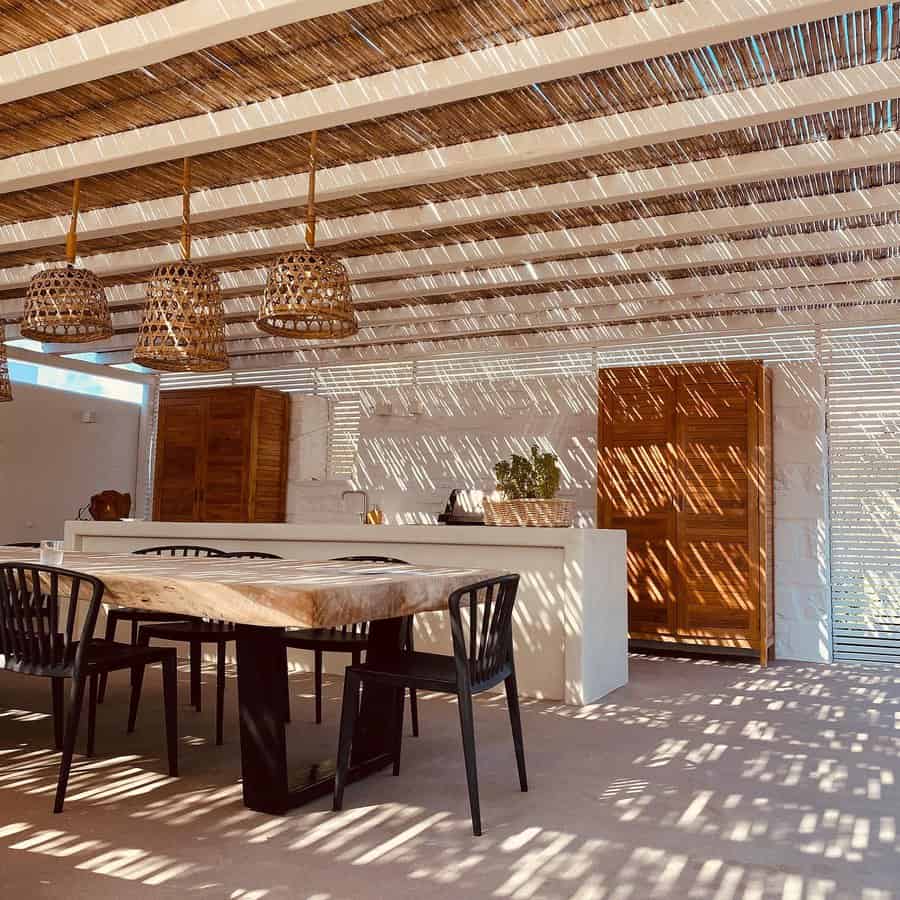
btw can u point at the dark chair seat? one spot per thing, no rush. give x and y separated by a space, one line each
429 671
326 639
191 630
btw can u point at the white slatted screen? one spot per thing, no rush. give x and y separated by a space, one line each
863 367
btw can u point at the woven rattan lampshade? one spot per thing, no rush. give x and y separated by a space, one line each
183 329
67 306
5 383
308 291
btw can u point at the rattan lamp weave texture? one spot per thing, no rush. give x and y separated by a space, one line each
5 383
308 291
183 329
67 306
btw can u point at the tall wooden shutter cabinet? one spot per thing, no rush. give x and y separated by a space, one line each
222 456
685 468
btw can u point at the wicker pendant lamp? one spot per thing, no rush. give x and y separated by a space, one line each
67 306
183 329
308 291
5 384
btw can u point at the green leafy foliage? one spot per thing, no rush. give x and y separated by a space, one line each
524 478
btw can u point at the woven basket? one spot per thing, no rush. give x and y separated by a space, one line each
530 513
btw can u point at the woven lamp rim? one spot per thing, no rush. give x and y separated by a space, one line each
6 394
50 325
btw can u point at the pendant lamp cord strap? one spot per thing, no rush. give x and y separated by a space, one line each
72 236
311 193
186 210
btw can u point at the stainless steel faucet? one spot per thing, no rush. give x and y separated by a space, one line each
364 515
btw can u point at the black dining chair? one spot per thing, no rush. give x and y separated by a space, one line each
197 632
352 639
117 614
482 659
37 637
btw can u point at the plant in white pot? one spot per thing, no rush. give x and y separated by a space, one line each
529 485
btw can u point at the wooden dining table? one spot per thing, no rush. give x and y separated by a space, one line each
262 598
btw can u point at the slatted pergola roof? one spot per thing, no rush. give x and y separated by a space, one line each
488 170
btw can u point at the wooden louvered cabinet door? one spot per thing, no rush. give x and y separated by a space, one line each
179 459
717 539
226 483
222 455
635 485
684 466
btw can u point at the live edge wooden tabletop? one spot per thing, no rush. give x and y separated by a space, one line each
268 592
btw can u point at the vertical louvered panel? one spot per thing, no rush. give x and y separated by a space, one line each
863 366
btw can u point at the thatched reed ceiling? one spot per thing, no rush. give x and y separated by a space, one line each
392 34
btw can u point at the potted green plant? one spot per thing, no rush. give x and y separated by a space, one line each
529 485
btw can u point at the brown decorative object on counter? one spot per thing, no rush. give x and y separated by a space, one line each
530 513
110 506
67 306
183 329
5 383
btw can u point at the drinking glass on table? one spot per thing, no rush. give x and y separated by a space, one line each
51 553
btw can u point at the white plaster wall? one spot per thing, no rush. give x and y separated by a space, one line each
51 463
410 462
802 583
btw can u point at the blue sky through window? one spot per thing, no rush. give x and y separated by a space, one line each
75 382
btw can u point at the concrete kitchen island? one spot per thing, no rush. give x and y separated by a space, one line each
571 622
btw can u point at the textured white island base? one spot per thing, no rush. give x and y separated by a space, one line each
571 621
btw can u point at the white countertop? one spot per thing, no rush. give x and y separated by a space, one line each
474 535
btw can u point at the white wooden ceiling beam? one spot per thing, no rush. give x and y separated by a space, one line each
570 52
149 39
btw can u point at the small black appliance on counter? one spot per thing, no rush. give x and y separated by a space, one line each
454 514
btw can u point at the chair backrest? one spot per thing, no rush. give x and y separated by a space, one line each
362 628
34 637
253 554
483 647
31 545
181 550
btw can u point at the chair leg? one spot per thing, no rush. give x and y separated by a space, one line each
65 765
59 709
398 729
287 688
196 661
170 702
220 693
112 620
349 712
515 721
467 727
137 681
413 699
318 684
414 711
92 714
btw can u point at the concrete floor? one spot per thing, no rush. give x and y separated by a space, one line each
698 780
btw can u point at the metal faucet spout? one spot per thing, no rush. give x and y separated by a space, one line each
364 515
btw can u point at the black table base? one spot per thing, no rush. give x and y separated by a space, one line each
262 689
